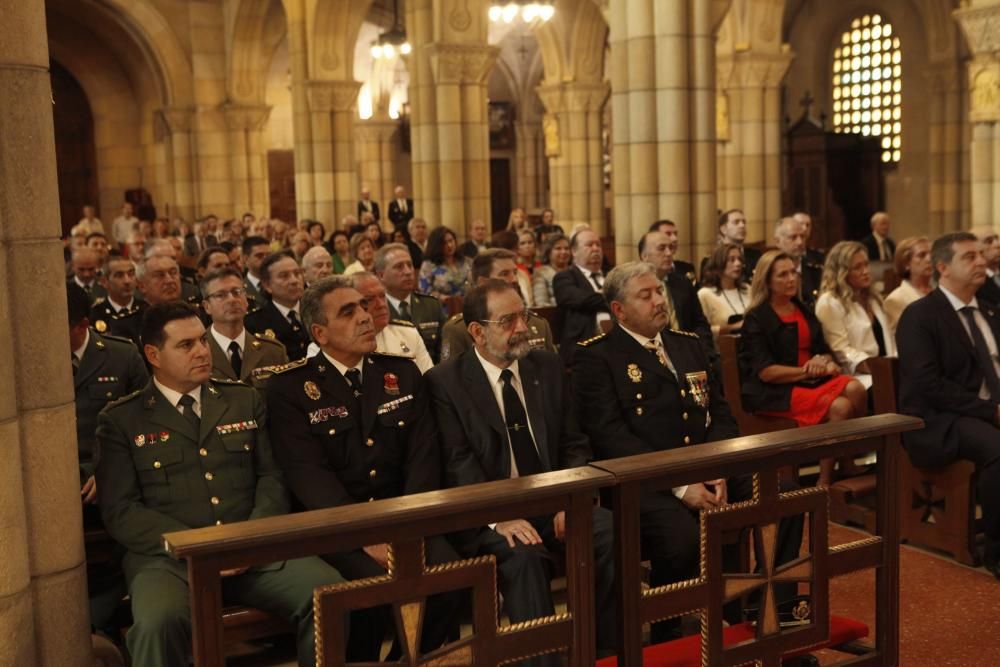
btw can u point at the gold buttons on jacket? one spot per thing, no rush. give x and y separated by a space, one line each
333 431
372 473
401 423
209 476
203 451
638 397
638 411
218 522
685 416
687 439
214 500
683 393
369 442
246 447
157 465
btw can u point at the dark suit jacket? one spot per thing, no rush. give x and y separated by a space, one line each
812 278
338 450
191 247
362 210
990 291
399 218
939 375
473 434
765 341
259 351
576 297
871 245
631 404
126 324
686 269
416 254
257 297
270 323
468 249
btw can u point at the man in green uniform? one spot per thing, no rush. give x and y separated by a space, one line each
187 452
394 267
499 264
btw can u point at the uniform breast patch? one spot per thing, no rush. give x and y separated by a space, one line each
323 414
392 405
698 387
236 427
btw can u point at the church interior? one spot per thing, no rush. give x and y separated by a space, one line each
613 114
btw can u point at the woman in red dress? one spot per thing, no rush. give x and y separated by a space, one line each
785 365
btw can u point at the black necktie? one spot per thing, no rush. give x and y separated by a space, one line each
294 319
982 353
525 454
598 279
187 402
235 359
404 311
353 376
76 363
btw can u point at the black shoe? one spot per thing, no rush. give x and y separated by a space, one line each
992 564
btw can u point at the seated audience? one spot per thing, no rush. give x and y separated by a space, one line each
316 232
395 269
644 387
950 378
363 251
683 307
850 311
477 240
146 491
517 220
578 293
120 314
211 259
880 247
86 264
235 351
281 319
990 291
786 366
443 272
725 293
527 255
316 264
790 238
300 244
255 250
504 411
374 231
813 255
669 227
556 257
733 230
912 261
340 250
416 230
493 264
98 242
343 457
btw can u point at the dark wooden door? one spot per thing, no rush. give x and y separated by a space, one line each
500 192
281 180
76 155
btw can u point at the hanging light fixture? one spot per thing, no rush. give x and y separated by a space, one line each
529 11
392 42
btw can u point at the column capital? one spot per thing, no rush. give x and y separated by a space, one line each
375 129
461 63
330 96
981 27
747 69
984 89
176 119
245 116
574 96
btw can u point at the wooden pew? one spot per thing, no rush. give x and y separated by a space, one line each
749 423
938 505
554 316
763 455
453 305
404 522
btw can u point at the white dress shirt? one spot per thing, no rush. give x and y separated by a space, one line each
343 369
175 396
601 317
78 352
496 384
284 311
984 328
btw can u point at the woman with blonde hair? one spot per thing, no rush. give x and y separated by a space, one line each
912 262
786 366
517 220
854 324
363 251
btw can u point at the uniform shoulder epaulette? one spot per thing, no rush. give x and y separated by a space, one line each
403 323
229 381
814 265
689 334
591 341
120 339
124 399
99 301
265 339
283 368
124 314
426 296
379 353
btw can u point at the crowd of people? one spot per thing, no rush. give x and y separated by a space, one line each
230 370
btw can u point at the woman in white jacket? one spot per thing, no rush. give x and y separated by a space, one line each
855 325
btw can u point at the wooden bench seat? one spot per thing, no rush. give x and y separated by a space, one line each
852 501
686 651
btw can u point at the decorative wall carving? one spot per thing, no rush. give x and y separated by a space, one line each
459 63
245 116
550 130
984 90
176 119
981 26
328 96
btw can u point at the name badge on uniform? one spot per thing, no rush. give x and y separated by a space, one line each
236 427
698 387
392 405
323 414
424 326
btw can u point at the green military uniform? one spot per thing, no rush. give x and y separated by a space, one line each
258 352
456 338
158 472
428 316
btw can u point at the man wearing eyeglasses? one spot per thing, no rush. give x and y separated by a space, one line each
235 351
504 411
282 278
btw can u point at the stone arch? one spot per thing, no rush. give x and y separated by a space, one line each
258 29
573 43
335 33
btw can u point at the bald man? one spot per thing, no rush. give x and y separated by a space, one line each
85 265
880 247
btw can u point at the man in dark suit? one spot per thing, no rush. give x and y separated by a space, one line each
733 229
578 293
400 209
199 239
949 376
990 291
504 411
255 250
280 319
235 351
669 227
880 247
367 205
416 240
813 255
350 426
476 241
643 388
790 238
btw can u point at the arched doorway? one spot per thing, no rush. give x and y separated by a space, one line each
76 155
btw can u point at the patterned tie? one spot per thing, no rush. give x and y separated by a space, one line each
353 376
404 311
521 442
235 359
982 353
653 346
187 403
294 319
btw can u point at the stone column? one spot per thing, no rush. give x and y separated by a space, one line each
946 148
980 21
180 159
376 153
332 105
528 174
663 97
449 131
43 588
246 124
749 125
573 145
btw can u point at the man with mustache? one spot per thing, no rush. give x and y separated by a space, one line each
578 292
351 426
504 411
